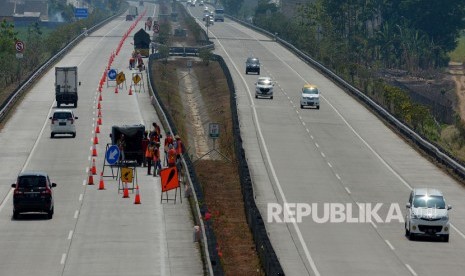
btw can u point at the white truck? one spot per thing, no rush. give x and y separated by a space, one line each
66 85
219 14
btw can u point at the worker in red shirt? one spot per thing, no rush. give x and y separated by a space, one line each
171 156
168 142
144 144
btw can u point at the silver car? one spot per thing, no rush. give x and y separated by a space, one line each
62 122
427 214
264 87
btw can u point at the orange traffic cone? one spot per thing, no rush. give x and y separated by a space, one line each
90 179
95 139
101 185
116 90
99 106
125 190
99 121
99 114
100 87
100 96
94 169
137 198
130 90
97 129
94 151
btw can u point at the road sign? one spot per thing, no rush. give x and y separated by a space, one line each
214 130
126 175
19 55
120 78
19 46
112 74
112 154
169 179
136 79
156 28
80 12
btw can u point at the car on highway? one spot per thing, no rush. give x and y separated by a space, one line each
264 87
427 214
33 192
310 96
252 65
62 122
201 3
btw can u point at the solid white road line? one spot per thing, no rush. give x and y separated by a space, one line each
389 244
348 191
411 270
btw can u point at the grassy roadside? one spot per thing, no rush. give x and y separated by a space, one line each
219 179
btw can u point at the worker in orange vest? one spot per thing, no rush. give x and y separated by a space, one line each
171 156
156 159
149 156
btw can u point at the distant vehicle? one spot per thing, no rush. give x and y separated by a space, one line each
62 122
132 13
427 214
66 85
219 14
310 96
201 3
264 87
33 192
252 65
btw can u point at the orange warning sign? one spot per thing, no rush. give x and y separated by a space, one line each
169 179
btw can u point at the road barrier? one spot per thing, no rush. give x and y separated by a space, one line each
433 150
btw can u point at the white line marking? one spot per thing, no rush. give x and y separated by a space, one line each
81 196
338 177
308 130
348 191
329 164
70 235
300 118
411 270
316 144
389 244
303 123
374 225
268 158
323 154
84 182
311 136
76 214
63 258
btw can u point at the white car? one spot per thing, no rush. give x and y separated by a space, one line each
310 96
62 122
427 214
264 87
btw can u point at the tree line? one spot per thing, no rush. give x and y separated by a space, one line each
40 45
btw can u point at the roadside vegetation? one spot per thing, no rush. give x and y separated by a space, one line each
41 43
458 54
219 178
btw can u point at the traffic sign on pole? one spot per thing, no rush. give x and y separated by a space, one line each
112 154
19 46
112 74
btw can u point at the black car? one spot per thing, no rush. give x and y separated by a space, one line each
252 65
33 193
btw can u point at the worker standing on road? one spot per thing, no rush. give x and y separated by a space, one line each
121 146
171 156
144 143
156 160
149 156
168 142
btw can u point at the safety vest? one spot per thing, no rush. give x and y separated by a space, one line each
149 152
179 147
171 157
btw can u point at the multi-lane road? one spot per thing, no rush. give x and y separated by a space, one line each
341 153
93 232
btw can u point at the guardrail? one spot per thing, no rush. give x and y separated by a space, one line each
30 80
189 51
431 149
212 260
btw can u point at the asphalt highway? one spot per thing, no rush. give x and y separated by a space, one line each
93 232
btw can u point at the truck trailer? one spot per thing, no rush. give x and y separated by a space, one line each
66 85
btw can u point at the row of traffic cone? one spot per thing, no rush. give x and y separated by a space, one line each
126 193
